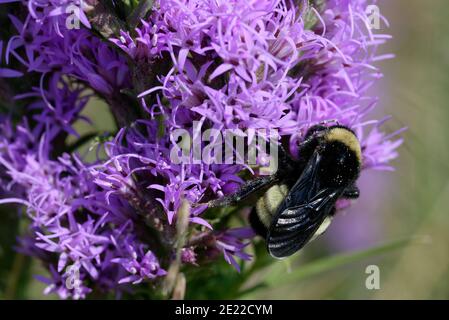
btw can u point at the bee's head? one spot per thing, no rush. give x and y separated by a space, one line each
321 134
311 141
315 130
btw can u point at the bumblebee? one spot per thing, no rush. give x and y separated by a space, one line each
297 203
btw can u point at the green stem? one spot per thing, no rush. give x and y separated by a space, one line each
14 277
139 12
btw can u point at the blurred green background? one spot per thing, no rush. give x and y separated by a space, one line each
401 222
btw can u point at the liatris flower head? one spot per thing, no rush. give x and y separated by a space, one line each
195 66
74 52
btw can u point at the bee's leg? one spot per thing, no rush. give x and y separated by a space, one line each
326 122
256 224
244 192
285 162
351 192
308 143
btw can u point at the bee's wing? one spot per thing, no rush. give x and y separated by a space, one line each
301 213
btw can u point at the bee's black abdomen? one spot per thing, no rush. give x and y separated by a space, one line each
256 224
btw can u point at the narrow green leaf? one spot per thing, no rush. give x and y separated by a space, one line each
253 289
278 276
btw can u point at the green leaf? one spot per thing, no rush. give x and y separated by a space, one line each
277 274
255 288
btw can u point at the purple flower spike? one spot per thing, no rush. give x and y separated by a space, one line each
110 224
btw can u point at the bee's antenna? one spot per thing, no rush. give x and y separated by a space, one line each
325 122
